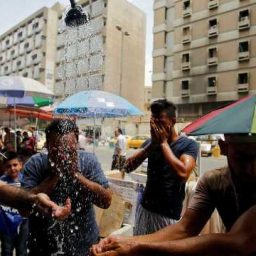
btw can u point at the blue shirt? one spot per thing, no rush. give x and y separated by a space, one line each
75 235
165 191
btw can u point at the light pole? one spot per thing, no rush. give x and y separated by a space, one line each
123 34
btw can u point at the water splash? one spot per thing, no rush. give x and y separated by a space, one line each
81 57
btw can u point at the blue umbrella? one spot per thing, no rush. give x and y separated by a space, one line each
97 104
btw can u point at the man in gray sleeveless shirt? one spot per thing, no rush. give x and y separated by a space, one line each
231 190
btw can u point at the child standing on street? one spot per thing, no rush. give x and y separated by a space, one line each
13 227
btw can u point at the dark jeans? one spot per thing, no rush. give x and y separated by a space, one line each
18 242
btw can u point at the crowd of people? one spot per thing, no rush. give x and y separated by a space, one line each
66 181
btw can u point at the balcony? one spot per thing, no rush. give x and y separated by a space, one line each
185 66
213 4
244 23
213 31
187 12
185 93
186 39
211 90
213 61
243 87
243 56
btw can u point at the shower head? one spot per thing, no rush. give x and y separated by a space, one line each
75 16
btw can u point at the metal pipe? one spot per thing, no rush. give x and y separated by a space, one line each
73 3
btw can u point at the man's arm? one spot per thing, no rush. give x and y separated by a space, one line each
101 196
239 241
47 185
25 201
134 161
183 166
190 225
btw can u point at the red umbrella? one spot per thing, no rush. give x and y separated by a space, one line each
32 112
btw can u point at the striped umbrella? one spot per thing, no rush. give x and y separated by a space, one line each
236 118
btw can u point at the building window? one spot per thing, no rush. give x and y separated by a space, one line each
186 4
186 31
20 34
6 69
243 15
1 58
244 46
213 23
185 57
26 45
244 20
25 74
7 42
185 85
212 52
243 78
12 52
35 25
34 56
18 63
212 81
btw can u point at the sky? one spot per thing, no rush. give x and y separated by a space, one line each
14 11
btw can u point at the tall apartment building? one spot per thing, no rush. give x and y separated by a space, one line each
112 58
28 49
204 53
34 48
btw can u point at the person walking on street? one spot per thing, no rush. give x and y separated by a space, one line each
119 155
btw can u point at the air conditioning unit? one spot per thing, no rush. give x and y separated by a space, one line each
185 93
243 87
213 4
244 23
213 31
213 61
244 56
187 12
185 66
186 39
211 90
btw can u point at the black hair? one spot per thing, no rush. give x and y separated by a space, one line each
119 130
61 127
161 105
10 155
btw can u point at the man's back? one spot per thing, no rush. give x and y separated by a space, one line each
216 189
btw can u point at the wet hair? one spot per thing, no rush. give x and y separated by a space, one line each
61 127
9 155
163 105
119 130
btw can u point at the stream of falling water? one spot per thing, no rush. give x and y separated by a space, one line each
82 60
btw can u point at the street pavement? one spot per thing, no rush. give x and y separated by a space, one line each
104 155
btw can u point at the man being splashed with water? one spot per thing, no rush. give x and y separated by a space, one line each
65 172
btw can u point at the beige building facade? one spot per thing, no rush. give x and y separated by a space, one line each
114 55
35 48
28 49
204 53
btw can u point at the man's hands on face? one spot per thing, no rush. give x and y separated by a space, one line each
48 207
115 246
159 132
